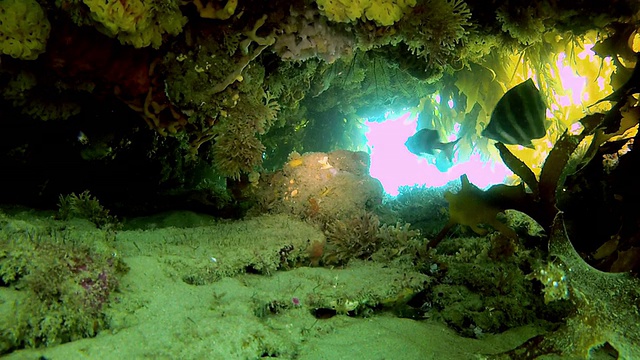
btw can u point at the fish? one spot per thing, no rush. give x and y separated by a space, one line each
443 162
82 138
519 116
427 142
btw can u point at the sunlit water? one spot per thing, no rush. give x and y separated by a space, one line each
395 166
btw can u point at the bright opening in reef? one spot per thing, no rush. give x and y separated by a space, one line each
395 166
573 79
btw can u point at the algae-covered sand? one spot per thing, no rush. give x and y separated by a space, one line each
226 290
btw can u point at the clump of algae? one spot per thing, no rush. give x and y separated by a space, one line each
606 307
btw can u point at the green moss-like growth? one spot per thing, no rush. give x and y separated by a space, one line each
477 294
237 149
59 283
261 245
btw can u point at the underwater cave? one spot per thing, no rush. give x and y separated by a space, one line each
319 179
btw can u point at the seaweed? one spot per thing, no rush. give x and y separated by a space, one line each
85 206
606 308
542 203
472 206
363 237
62 285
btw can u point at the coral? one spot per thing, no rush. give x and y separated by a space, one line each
304 35
24 29
387 12
314 187
443 28
342 11
525 24
382 12
247 55
252 36
134 22
291 80
203 78
214 83
114 17
446 22
237 151
211 11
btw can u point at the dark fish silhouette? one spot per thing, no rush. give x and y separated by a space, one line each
518 117
427 141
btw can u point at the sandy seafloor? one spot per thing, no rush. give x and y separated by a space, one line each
158 312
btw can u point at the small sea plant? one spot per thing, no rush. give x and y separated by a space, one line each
85 206
363 236
66 282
